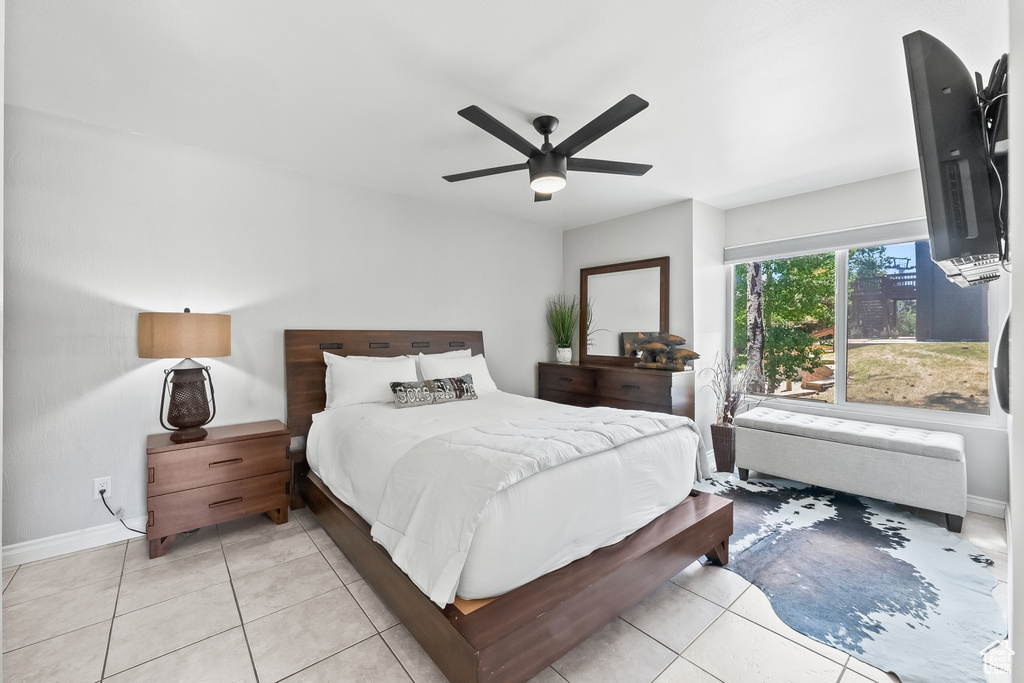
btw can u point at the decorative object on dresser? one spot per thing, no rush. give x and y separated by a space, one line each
184 335
236 470
563 314
729 385
664 352
513 636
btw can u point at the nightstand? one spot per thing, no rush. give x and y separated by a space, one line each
235 471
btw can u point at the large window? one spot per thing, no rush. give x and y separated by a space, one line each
912 339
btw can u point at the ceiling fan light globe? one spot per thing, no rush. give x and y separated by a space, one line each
548 182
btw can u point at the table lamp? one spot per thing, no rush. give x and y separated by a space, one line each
184 335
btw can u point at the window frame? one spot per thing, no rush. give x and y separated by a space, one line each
998 306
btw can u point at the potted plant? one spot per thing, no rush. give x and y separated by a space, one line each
729 385
563 315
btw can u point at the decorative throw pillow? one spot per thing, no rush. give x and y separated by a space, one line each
453 389
410 394
444 390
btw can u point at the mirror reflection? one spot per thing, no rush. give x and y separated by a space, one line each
623 302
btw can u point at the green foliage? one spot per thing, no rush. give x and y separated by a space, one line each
798 291
906 318
563 313
788 350
868 262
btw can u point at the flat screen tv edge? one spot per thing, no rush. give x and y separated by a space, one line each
961 142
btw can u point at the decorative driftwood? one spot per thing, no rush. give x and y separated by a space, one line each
664 352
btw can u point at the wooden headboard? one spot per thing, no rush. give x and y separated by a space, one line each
305 367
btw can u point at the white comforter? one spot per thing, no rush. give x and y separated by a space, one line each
608 484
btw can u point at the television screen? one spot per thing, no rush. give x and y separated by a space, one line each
962 188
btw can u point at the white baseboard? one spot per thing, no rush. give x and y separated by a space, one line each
986 506
52 546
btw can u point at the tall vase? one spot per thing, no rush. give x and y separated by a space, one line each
563 355
723 441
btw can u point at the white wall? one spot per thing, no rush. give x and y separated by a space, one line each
1015 526
888 199
711 306
102 224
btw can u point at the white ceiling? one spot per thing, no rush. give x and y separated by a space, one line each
750 99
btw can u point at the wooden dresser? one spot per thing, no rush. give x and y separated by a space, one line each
236 470
660 391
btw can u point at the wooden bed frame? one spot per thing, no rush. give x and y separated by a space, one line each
515 636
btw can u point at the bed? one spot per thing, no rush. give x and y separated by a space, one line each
516 634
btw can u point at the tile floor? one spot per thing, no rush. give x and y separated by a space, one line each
253 601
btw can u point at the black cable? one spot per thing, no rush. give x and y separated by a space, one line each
103 497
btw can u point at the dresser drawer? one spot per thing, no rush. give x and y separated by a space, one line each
173 513
642 386
568 378
190 468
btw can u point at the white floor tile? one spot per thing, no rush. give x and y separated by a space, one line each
417 662
154 631
269 590
736 650
370 660
75 657
38 580
684 671
289 640
717 584
43 618
618 653
223 658
673 616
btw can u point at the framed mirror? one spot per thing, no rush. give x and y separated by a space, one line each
630 298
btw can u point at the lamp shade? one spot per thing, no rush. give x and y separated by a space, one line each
184 335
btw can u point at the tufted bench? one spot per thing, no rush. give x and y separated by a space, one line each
914 467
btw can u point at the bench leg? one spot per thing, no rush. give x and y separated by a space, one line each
744 473
954 523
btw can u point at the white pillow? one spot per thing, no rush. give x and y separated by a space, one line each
438 365
365 379
459 353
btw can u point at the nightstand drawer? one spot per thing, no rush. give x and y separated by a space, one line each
190 468
173 513
650 387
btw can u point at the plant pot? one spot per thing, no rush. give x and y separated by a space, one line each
563 355
723 441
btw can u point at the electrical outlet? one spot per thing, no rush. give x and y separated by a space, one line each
100 483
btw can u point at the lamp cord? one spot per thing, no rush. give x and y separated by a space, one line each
103 497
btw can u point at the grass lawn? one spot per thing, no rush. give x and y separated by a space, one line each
932 375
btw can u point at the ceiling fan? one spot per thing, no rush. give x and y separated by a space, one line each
548 165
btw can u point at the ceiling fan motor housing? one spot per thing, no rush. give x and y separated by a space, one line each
547 172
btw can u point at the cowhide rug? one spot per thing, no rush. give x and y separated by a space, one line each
863 576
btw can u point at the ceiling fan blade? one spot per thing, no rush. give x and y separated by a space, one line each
538 197
603 166
627 108
483 172
478 116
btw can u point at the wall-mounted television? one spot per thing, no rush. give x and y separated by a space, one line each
962 145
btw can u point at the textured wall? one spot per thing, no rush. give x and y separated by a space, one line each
102 224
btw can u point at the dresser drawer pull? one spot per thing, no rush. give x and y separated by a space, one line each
565 379
222 503
634 387
221 463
